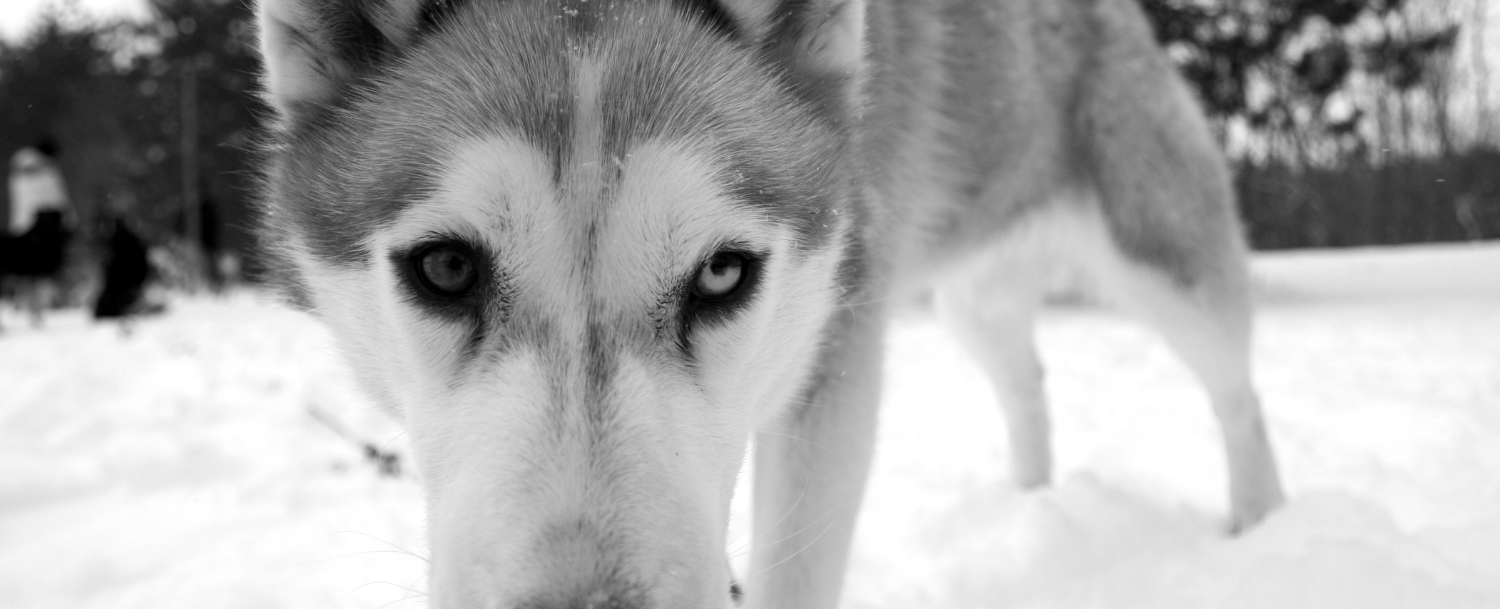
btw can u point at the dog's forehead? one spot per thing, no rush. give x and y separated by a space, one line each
601 165
575 238
598 80
579 97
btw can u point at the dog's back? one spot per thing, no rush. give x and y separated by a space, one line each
983 113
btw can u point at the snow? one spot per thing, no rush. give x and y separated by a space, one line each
178 465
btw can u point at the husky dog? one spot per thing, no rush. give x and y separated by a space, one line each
585 249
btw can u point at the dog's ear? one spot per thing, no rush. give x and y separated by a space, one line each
821 42
312 49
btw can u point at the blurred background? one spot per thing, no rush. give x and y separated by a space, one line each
1351 122
210 450
151 108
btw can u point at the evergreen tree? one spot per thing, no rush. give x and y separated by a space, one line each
1277 67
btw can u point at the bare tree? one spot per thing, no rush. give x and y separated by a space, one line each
1481 69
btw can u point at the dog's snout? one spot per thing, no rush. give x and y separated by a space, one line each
584 564
598 599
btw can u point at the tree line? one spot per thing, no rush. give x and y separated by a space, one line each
153 120
1350 121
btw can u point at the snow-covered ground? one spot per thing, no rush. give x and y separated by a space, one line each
178 466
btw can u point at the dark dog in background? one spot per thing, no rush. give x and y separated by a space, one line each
127 268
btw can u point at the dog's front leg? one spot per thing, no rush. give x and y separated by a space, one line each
810 470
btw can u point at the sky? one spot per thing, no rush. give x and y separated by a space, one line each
16 16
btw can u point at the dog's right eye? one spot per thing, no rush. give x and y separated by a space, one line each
720 276
447 269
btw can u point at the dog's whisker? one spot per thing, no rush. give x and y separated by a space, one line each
411 593
814 522
351 554
789 512
421 596
403 550
792 437
804 547
410 590
759 538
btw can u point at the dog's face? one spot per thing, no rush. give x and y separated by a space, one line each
580 248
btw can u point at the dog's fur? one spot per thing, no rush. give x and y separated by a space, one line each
579 415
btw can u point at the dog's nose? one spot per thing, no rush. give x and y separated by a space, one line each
582 562
598 599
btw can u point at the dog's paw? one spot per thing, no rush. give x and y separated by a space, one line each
1247 514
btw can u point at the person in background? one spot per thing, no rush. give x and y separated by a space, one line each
37 231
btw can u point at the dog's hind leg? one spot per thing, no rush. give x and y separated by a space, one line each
810 471
1207 323
1176 258
992 313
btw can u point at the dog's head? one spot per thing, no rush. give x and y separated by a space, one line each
581 248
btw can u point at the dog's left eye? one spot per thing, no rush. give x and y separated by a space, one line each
720 276
723 285
447 269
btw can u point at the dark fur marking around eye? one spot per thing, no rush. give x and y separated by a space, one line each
467 304
697 312
711 14
482 309
355 36
435 14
